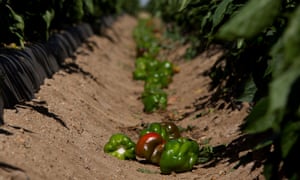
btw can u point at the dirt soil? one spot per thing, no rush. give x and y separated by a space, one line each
62 132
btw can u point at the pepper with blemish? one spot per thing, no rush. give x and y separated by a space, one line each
120 146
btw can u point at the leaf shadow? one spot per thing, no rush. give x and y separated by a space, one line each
241 145
72 67
44 111
20 128
15 172
5 132
8 167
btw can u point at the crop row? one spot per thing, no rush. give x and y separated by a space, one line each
37 36
260 65
156 74
35 20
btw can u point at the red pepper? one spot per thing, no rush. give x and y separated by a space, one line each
150 146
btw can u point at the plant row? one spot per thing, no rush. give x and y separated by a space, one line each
37 36
156 74
32 21
260 65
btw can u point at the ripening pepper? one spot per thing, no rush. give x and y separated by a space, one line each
179 155
168 130
150 147
154 99
172 130
120 146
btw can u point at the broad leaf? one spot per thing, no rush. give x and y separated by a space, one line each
291 39
184 4
220 12
89 6
259 120
289 137
281 87
252 19
277 54
249 91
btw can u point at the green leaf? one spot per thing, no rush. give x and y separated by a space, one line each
291 38
249 91
276 65
263 144
205 20
220 12
268 170
286 48
16 24
259 120
184 4
89 6
289 137
75 12
48 17
281 87
252 19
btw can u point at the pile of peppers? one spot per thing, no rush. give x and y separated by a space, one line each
156 74
159 144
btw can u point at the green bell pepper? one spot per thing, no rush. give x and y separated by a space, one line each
152 84
154 99
168 130
152 65
158 80
140 72
145 66
179 155
120 146
157 128
166 67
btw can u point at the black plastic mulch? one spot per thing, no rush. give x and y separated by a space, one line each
22 72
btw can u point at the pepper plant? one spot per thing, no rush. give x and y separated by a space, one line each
260 65
34 20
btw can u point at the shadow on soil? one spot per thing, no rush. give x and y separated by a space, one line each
8 167
5 132
44 111
15 172
239 151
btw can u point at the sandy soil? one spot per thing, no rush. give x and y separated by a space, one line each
61 133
